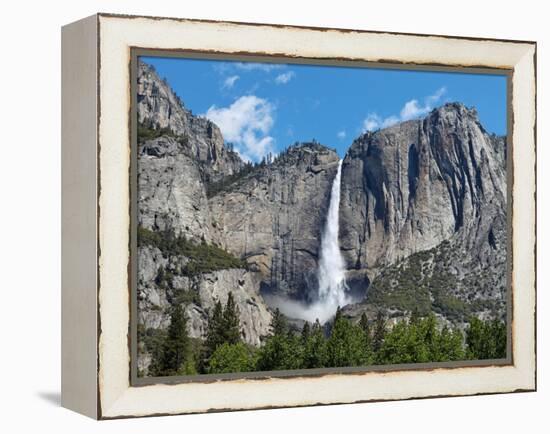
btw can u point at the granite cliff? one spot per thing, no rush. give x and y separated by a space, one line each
274 216
411 186
179 155
158 107
422 219
434 185
191 185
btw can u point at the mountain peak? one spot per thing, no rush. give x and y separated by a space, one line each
455 109
160 108
310 146
306 154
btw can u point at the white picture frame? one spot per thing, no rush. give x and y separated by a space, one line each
96 294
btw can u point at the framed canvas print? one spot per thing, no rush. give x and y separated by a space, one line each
262 216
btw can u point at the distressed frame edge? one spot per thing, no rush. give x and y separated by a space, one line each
529 387
79 218
306 27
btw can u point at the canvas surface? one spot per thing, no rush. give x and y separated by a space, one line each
379 239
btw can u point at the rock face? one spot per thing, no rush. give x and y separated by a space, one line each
274 217
160 108
422 217
199 293
171 191
410 187
179 155
174 168
270 215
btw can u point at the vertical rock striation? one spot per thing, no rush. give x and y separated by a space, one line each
175 167
408 188
159 107
179 155
422 216
274 216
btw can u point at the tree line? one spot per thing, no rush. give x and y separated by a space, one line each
417 340
202 257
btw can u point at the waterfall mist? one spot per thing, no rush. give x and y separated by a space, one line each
331 272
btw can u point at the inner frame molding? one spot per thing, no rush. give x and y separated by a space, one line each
117 36
136 52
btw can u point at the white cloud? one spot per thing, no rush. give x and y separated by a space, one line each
225 68
389 121
411 110
229 82
246 123
285 77
341 134
251 66
436 97
372 122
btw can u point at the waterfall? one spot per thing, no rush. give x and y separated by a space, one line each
331 272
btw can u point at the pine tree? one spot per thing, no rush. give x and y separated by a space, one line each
281 350
278 323
175 349
364 323
231 326
379 332
420 341
315 348
429 331
395 347
486 339
214 333
365 327
449 346
499 334
346 345
475 339
415 316
231 358
223 327
306 332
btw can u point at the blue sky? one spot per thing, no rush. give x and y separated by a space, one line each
263 107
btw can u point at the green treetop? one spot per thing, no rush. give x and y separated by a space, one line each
379 332
346 345
175 348
278 323
231 321
214 333
230 358
315 348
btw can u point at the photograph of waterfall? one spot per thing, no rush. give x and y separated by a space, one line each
307 217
